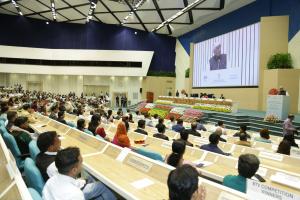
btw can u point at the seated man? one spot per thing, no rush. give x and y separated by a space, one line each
148 120
200 126
48 144
184 136
193 130
213 145
264 136
221 125
248 164
179 126
218 131
161 132
183 184
21 135
141 127
172 122
64 185
61 117
243 140
54 110
27 112
243 129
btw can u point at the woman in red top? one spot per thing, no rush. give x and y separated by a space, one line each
121 139
95 126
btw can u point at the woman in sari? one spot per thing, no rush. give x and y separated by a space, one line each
121 139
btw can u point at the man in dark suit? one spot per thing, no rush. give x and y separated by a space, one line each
141 127
161 132
193 130
219 60
179 126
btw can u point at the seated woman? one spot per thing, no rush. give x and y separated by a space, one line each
175 159
264 136
121 139
96 128
81 126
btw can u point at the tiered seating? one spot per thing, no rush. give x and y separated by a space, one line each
131 175
12 185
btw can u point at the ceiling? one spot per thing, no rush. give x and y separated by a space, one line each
146 16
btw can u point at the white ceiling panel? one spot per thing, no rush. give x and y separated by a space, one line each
170 3
59 18
84 9
33 5
2 11
115 6
100 8
149 16
11 8
107 18
58 3
76 2
71 14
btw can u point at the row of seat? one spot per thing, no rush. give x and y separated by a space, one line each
131 175
12 185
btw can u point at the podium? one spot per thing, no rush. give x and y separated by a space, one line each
278 105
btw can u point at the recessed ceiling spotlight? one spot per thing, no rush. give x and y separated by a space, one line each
47 23
135 33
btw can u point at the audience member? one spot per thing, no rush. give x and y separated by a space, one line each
161 132
21 135
26 111
248 165
96 128
183 184
175 159
81 126
64 184
184 136
179 126
61 117
172 122
48 144
264 136
219 131
243 141
54 111
200 126
148 120
221 125
141 127
243 129
213 145
193 130
121 139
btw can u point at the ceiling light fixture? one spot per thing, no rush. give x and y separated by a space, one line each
135 7
17 7
91 10
53 10
178 14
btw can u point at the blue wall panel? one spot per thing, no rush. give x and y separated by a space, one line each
20 31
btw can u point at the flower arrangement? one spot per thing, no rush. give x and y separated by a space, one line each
217 108
271 118
159 112
273 91
193 113
141 105
144 110
163 107
165 102
150 105
178 110
188 118
176 116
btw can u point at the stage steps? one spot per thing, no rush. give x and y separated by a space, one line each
233 121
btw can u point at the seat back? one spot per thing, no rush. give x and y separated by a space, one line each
71 124
34 194
12 145
33 176
33 149
150 154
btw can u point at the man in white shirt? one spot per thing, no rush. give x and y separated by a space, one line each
64 185
222 126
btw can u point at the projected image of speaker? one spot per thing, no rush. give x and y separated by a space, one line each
228 60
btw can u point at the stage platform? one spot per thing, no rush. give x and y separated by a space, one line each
253 119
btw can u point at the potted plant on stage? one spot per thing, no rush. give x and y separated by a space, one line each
280 61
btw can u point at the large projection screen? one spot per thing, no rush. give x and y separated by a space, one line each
228 60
